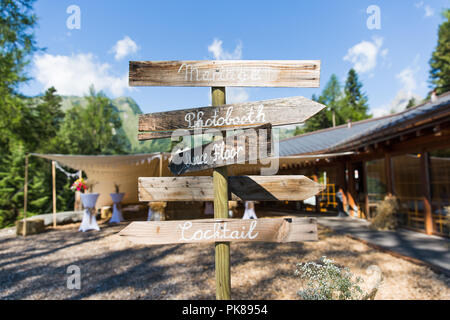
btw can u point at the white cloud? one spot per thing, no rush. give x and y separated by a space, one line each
219 54
364 54
234 95
124 47
73 75
407 78
409 84
429 11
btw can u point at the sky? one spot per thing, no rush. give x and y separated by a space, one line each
389 43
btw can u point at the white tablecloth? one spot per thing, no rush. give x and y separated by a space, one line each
249 212
89 221
117 214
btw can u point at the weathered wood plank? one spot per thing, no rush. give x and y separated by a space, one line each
221 230
240 146
278 112
226 73
256 188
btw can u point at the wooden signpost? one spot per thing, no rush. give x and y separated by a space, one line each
240 146
221 152
226 73
230 230
277 112
245 188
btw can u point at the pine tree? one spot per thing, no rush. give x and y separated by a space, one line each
354 105
330 97
440 59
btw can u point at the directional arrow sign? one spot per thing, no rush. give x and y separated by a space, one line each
239 115
211 230
251 188
226 73
240 146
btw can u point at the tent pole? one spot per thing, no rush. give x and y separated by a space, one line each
54 192
160 164
25 198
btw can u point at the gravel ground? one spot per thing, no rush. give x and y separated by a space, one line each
35 267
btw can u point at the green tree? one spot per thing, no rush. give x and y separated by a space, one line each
16 44
93 130
331 97
354 105
440 59
411 103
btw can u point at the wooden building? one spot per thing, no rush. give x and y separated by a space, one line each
406 154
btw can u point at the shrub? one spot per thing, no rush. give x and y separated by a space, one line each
327 281
385 218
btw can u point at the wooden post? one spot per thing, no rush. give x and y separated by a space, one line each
351 192
388 173
25 198
220 182
426 194
54 192
160 164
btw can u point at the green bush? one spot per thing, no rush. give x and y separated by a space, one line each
326 281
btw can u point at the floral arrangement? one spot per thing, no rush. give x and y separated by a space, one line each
79 185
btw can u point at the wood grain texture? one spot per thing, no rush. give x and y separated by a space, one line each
251 188
239 147
220 185
220 230
278 112
226 73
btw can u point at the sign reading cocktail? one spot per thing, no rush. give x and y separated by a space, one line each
213 230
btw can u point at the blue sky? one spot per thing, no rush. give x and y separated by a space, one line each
392 61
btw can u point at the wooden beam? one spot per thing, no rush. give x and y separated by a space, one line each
54 191
426 193
277 112
250 188
214 230
25 198
388 173
220 190
226 73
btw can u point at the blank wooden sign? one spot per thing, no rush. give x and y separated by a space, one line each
215 230
277 112
251 188
226 73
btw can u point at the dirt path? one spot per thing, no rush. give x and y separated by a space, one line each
112 268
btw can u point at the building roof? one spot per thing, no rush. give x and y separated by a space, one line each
347 137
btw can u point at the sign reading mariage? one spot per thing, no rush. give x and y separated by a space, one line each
226 73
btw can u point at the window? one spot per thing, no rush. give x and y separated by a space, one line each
408 190
376 180
440 190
